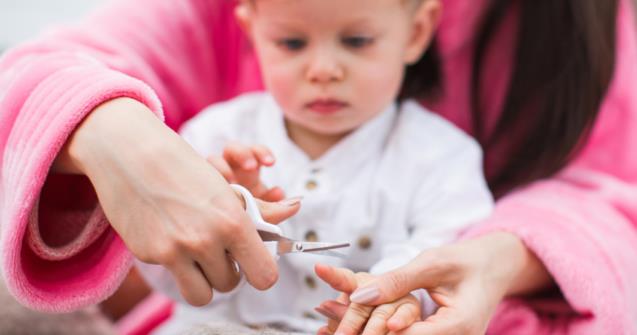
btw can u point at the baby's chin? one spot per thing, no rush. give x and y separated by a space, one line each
332 129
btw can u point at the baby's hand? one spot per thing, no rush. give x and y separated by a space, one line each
241 164
382 319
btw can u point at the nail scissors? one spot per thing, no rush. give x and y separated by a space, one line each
272 235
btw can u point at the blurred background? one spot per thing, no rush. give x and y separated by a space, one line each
23 19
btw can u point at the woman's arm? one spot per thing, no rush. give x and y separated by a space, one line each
60 252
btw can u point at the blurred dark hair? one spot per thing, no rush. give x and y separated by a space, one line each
564 61
422 79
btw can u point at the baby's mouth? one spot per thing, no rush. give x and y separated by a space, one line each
326 106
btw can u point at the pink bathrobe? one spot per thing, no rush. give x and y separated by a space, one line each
59 253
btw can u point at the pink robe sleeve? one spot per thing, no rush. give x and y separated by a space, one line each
58 250
582 223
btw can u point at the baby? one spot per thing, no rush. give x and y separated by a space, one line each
338 126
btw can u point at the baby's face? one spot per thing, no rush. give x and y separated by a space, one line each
334 64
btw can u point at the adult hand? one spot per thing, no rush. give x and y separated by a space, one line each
393 316
466 279
167 203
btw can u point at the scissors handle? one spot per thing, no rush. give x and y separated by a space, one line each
253 211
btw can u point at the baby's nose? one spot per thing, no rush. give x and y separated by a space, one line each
324 69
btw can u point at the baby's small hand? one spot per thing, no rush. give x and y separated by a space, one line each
241 164
350 318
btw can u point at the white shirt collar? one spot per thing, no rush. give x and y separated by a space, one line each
343 160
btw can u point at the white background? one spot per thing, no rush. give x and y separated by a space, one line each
22 19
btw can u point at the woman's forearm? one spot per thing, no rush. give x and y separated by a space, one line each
525 271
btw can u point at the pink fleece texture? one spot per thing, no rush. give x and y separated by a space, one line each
58 253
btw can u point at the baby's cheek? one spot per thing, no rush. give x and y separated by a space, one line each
380 86
283 87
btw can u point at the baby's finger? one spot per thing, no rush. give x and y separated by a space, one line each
240 157
263 155
334 309
343 280
404 316
326 313
354 319
324 331
377 323
222 166
273 195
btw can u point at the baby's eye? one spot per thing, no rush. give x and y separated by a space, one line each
357 41
292 44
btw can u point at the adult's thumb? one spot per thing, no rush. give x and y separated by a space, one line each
275 212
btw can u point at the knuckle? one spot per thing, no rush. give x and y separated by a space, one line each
230 227
166 253
383 312
360 310
199 244
396 282
351 325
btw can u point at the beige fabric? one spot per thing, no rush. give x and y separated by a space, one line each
227 328
16 319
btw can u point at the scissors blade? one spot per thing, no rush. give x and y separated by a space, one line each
286 245
318 246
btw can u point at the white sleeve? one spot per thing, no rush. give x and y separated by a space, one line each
205 132
448 200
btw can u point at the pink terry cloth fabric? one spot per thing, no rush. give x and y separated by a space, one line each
146 316
59 254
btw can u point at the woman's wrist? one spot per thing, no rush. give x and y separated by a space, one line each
517 269
114 125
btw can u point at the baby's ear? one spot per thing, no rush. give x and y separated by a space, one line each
425 21
243 14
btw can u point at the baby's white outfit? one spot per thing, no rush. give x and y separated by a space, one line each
405 181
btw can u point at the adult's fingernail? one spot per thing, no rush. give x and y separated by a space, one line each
365 295
291 201
326 313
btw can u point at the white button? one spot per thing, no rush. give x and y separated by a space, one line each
310 282
364 242
311 236
309 315
311 185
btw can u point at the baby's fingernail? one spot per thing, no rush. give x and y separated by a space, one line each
291 201
326 313
268 159
250 164
365 295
